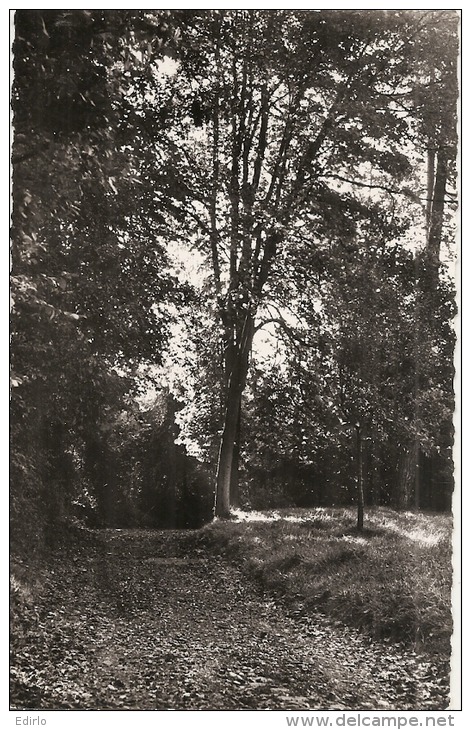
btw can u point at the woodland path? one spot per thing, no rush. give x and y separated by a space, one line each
147 620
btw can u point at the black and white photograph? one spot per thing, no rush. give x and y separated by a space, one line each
234 364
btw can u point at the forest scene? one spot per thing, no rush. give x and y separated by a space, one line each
233 332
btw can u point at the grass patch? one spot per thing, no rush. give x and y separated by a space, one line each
392 581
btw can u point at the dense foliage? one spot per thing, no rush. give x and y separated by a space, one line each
187 180
90 280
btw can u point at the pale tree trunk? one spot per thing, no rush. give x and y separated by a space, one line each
227 468
226 454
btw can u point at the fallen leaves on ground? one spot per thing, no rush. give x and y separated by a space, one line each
135 619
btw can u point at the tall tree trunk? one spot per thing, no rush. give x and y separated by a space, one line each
438 204
234 489
407 476
437 171
228 451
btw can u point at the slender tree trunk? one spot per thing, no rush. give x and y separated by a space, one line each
360 489
436 215
430 185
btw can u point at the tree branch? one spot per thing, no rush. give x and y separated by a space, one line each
374 186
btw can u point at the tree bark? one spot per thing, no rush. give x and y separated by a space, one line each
228 451
408 487
234 488
438 204
226 454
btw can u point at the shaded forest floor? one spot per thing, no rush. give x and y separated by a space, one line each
134 619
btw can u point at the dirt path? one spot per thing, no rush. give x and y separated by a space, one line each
137 620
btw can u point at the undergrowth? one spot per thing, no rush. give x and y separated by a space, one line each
392 581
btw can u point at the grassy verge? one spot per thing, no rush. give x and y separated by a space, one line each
393 581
